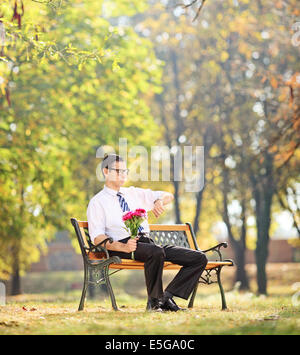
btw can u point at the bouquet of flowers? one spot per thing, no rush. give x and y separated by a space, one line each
133 220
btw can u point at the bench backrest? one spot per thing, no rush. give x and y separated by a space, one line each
180 235
175 234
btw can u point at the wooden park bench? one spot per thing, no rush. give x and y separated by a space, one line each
98 263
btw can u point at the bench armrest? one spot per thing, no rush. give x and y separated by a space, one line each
99 248
216 249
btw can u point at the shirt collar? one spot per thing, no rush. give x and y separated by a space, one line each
112 191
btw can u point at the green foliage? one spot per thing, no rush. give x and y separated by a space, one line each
71 81
230 93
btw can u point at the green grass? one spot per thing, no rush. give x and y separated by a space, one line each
56 312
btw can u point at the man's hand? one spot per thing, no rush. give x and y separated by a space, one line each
158 208
131 245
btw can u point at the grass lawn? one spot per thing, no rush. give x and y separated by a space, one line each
56 312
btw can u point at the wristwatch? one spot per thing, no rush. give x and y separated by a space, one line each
157 200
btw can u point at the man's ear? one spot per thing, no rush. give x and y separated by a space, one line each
105 171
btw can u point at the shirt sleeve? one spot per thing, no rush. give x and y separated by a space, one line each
96 219
147 197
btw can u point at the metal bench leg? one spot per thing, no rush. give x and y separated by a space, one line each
224 306
109 289
84 288
192 299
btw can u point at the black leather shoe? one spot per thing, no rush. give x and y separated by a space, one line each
170 305
154 305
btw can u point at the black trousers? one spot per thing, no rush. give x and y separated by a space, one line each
193 263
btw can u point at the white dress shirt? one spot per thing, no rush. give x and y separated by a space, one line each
104 213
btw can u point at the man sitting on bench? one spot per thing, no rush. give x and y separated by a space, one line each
104 215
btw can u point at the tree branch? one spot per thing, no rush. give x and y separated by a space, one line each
191 4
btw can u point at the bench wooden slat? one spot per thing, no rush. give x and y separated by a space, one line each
82 231
83 224
138 265
168 227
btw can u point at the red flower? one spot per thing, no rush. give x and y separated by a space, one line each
141 211
127 216
132 221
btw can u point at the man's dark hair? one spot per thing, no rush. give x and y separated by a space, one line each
108 161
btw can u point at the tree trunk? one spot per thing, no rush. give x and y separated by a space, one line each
263 217
261 254
168 138
199 197
179 128
240 261
15 278
239 246
16 283
177 206
241 274
263 191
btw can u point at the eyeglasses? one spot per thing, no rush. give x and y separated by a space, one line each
123 171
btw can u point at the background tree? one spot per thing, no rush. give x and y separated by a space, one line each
60 110
224 88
